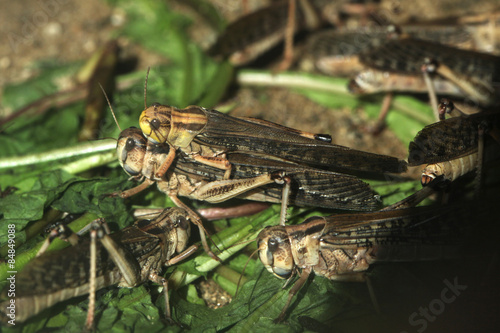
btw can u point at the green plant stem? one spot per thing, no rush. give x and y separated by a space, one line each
90 162
293 80
228 279
59 154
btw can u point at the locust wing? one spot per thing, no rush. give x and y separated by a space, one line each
246 135
310 186
448 139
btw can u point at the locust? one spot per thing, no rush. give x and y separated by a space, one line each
452 147
254 34
337 51
410 59
213 138
128 258
342 247
473 74
139 158
456 59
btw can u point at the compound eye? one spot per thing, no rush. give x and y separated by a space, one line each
155 124
130 144
182 222
272 245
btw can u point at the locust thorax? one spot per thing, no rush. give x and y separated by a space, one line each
275 251
155 122
131 149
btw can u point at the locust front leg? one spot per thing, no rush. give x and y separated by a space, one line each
165 166
380 124
295 288
289 33
133 191
312 21
158 279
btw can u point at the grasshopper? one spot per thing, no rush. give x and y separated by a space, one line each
140 158
342 247
408 64
268 27
210 137
337 52
472 72
398 59
129 257
253 178
451 147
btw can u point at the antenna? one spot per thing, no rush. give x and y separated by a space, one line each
244 268
110 107
146 89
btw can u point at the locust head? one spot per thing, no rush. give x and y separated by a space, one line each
430 173
182 227
155 122
131 149
275 251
